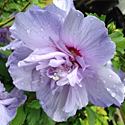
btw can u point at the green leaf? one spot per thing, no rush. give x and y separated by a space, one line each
77 122
20 116
102 17
120 50
33 116
3 68
45 120
34 104
116 36
34 2
6 53
121 44
91 116
111 27
112 111
81 122
116 65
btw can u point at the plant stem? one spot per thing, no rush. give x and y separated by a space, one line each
79 4
3 7
120 116
12 18
31 99
25 6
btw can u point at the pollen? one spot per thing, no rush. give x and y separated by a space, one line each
55 77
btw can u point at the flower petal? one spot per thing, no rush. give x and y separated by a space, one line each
54 9
1 87
9 104
105 87
34 26
71 26
120 73
23 77
73 77
56 63
88 35
94 41
61 102
15 44
64 4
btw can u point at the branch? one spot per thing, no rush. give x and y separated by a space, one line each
120 116
79 4
3 7
31 99
12 18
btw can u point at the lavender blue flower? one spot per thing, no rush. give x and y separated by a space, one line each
9 102
120 73
60 54
4 35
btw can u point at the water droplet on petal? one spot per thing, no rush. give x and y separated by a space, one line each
28 31
19 64
123 80
117 82
22 83
41 29
36 15
63 119
20 24
78 14
80 85
99 30
110 76
114 86
113 94
42 102
108 89
33 58
104 81
91 19
12 47
75 32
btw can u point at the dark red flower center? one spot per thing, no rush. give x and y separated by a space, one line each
74 51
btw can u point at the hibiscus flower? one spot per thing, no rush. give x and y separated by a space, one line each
60 54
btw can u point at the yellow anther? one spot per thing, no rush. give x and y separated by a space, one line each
55 77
